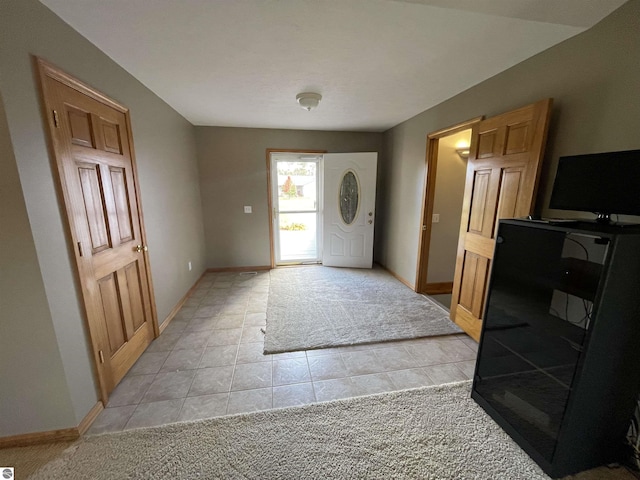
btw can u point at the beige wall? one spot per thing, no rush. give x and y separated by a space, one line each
450 176
25 317
593 79
165 150
233 173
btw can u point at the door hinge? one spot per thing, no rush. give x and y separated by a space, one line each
80 248
56 120
101 356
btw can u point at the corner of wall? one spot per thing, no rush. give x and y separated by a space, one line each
35 395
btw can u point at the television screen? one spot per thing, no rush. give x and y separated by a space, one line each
603 183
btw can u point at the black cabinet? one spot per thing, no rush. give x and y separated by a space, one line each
559 358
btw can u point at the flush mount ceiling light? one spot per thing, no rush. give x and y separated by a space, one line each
308 100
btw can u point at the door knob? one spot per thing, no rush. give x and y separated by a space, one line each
370 222
141 248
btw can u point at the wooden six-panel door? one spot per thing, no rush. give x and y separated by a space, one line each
502 177
91 142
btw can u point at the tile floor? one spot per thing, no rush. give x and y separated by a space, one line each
208 362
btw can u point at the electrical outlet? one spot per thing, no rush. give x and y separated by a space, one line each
247 209
435 218
189 266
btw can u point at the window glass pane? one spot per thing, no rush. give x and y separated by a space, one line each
297 186
349 197
298 237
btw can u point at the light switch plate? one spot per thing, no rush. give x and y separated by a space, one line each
435 218
247 209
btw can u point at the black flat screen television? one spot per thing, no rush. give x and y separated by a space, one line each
602 183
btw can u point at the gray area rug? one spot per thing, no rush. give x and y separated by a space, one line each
318 307
428 433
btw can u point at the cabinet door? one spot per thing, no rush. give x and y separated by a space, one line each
541 301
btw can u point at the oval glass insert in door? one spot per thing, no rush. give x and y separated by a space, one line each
349 197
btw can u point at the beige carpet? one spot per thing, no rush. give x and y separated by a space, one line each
319 307
428 433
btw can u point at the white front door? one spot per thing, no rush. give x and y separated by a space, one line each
349 209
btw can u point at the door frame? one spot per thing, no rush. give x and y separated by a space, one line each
428 198
272 251
44 70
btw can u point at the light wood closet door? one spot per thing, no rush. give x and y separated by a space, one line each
94 156
502 177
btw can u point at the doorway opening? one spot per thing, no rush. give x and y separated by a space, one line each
296 201
321 207
446 159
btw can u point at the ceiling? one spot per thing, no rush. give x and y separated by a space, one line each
376 63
